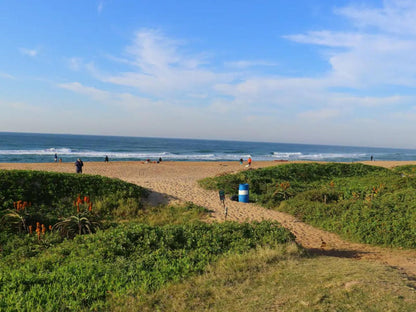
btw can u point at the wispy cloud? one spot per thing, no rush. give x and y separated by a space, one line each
160 69
126 100
247 64
100 7
319 115
7 76
378 50
29 52
367 62
92 92
75 63
395 16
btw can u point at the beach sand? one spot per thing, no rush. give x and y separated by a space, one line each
176 182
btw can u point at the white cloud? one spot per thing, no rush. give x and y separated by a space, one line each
7 76
247 64
29 52
124 100
162 70
396 16
92 92
75 63
379 52
319 115
329 38
178 90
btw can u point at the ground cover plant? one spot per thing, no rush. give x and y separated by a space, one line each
50 196
84 272
55 268
363 203
282 279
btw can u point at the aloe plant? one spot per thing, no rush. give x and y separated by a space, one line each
78 224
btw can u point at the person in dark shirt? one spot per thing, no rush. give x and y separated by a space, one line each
78 165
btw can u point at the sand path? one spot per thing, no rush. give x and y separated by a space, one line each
177 182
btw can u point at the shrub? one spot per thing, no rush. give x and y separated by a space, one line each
364 203
81 274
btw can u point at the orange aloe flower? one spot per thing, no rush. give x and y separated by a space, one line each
90 207
50 227
38 230
30 229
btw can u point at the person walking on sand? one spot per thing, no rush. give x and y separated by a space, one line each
78 165
106 158
241 161
249 161
56 157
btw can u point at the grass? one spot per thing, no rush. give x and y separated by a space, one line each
173 214
282 279
164 259
366 204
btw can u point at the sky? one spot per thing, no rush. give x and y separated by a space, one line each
305 71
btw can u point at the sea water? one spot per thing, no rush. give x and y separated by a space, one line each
31 147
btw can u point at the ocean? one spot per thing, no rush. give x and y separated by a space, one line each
32 147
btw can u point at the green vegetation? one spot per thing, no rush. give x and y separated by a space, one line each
49 272
50 196
132 257
282 279
174 214
125 260
362 203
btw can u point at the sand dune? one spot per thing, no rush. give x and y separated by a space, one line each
177 182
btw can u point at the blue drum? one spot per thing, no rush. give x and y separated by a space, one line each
243 193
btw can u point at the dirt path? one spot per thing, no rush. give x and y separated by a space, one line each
173 181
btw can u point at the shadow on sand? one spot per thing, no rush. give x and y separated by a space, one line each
350 254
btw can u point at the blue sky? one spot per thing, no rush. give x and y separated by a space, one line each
306 71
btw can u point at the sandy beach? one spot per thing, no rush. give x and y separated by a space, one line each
177 182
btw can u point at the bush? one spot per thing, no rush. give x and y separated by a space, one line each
364 203
52 194
82 273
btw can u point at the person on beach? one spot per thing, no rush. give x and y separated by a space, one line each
372 158
249 161
56 157
78 165
241 161
106 158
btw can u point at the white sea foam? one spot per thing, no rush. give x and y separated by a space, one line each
318 156
49 151
68 152
284 155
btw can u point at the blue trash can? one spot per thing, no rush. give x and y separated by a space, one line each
243 193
